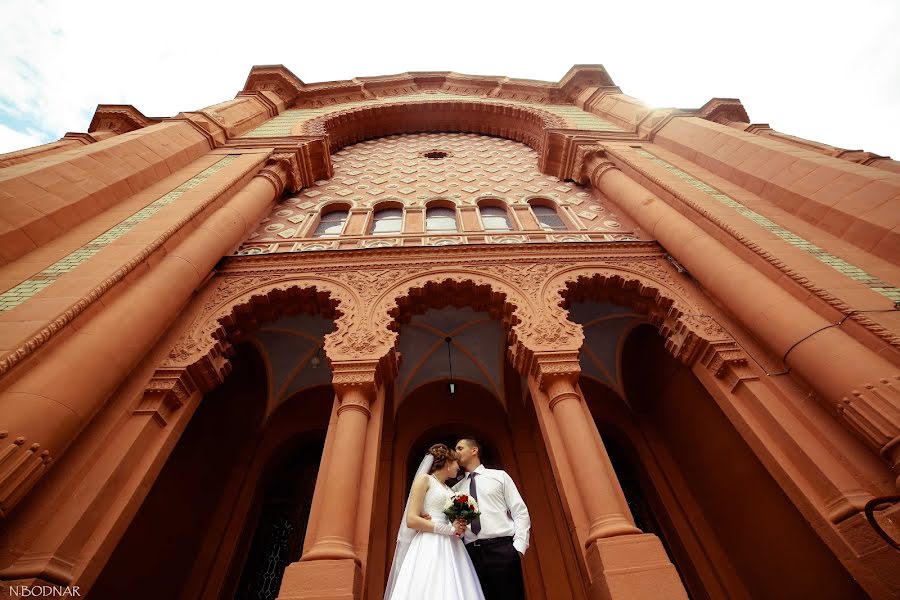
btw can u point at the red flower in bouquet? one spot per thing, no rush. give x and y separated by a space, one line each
461 506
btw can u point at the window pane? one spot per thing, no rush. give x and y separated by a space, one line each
548 218
493 218
331 224
389 220
440 219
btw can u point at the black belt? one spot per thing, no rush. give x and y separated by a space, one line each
490 542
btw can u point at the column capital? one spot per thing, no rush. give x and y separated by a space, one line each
551 367
167 391
595 164
355 384
283 171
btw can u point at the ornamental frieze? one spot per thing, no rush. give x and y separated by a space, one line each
527 290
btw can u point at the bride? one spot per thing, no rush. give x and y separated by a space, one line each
431 560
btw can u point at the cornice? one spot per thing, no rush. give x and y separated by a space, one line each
120 118
314 154
469 255
723 110
282 81
275 78
84 138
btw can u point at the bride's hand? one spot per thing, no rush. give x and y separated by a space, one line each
425 516
460 525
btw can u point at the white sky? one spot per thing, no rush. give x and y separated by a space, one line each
823 70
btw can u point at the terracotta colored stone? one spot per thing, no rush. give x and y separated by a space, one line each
671 349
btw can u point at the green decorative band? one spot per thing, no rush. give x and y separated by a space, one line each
853 272
34 284
282 125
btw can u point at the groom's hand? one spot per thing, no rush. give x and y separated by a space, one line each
425 516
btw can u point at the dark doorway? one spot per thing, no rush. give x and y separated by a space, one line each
287 494
155 556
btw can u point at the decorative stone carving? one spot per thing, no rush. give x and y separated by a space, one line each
170 389
582 156
290 163
873 413
21 465
724 111
120 118
369 297
202 350
547 366
362 374
276 78
523 124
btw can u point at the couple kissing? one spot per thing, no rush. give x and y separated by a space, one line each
464 542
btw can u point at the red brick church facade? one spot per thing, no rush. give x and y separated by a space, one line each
228 336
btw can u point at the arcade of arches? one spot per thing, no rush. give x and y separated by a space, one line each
236 411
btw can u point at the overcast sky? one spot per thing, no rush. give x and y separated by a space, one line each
823 70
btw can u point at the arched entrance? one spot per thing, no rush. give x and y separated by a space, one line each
488 404
690 478
238 486
156 555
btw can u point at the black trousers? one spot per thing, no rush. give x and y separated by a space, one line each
499 569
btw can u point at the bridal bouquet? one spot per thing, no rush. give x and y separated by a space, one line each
461 506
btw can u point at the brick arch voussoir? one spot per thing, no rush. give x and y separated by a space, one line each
690 333
502 299
522 124
239 306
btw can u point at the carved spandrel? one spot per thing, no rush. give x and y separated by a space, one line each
528 296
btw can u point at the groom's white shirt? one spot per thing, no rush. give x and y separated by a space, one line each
503 512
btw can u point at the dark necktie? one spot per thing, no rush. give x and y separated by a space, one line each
473 491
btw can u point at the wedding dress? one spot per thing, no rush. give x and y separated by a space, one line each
435 566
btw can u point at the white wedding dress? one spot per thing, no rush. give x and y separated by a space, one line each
436 566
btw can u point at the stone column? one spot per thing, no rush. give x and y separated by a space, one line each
623 562
595 479
335 535
331 566
854 383
46 408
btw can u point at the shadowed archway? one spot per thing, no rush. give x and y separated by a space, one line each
690 478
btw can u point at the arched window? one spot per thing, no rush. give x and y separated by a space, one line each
547 218
387 220
331 224
440 219
494 218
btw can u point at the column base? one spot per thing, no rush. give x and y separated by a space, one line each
322 580
632 567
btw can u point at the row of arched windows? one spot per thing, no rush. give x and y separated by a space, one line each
438 219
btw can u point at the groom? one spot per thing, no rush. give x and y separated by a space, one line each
496 538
